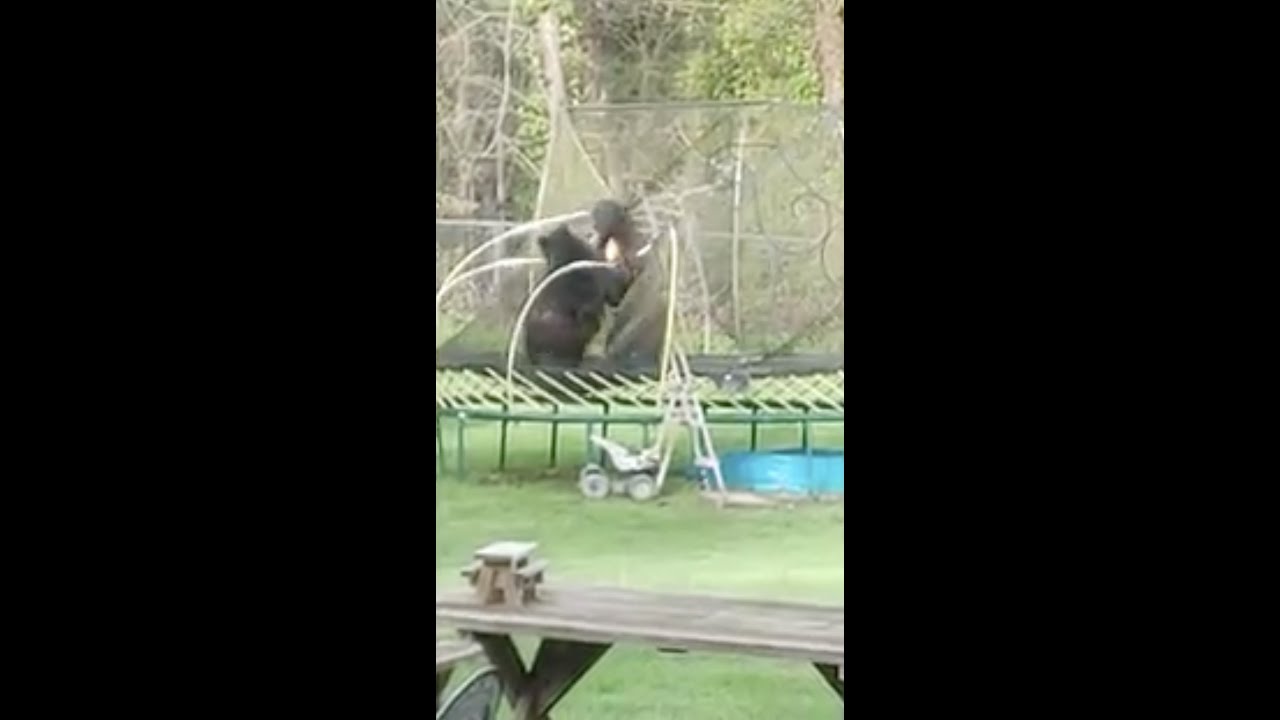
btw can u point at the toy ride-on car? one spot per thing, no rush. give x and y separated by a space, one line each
635 472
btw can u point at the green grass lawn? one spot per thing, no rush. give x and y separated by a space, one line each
679 542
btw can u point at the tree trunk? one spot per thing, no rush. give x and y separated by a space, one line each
595 42
828 31
557 99
594 38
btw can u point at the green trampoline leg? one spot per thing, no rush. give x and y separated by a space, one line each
502 446
440 457
590 455
462 446
808 455
555 443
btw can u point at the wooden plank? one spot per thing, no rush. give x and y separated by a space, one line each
558 603
557 667
675 639
504 657
512 593
484 583
506 552
702 600
795 631
589 597
631 619
451 652
695 601
533 570
659 608
833 676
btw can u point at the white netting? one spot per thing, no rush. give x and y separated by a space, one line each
754 192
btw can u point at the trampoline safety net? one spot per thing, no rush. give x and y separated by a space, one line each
743 201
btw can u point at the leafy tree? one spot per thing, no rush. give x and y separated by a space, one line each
760 49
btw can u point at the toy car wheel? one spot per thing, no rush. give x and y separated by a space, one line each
641 487
593 482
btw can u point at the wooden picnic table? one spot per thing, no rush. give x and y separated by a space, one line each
448 654
577 626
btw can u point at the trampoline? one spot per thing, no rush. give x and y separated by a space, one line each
747 284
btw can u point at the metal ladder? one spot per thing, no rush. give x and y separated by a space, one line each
682 408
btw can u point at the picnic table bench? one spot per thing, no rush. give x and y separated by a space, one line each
578 625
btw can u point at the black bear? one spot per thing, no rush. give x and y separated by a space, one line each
568 313
640 324
613 226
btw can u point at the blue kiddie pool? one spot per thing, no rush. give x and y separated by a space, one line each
792 471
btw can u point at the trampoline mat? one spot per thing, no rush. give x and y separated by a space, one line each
715 366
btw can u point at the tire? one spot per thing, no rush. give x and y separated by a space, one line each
593 483
641 487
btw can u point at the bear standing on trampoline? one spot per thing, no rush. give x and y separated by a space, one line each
636 287
615 232
568 313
